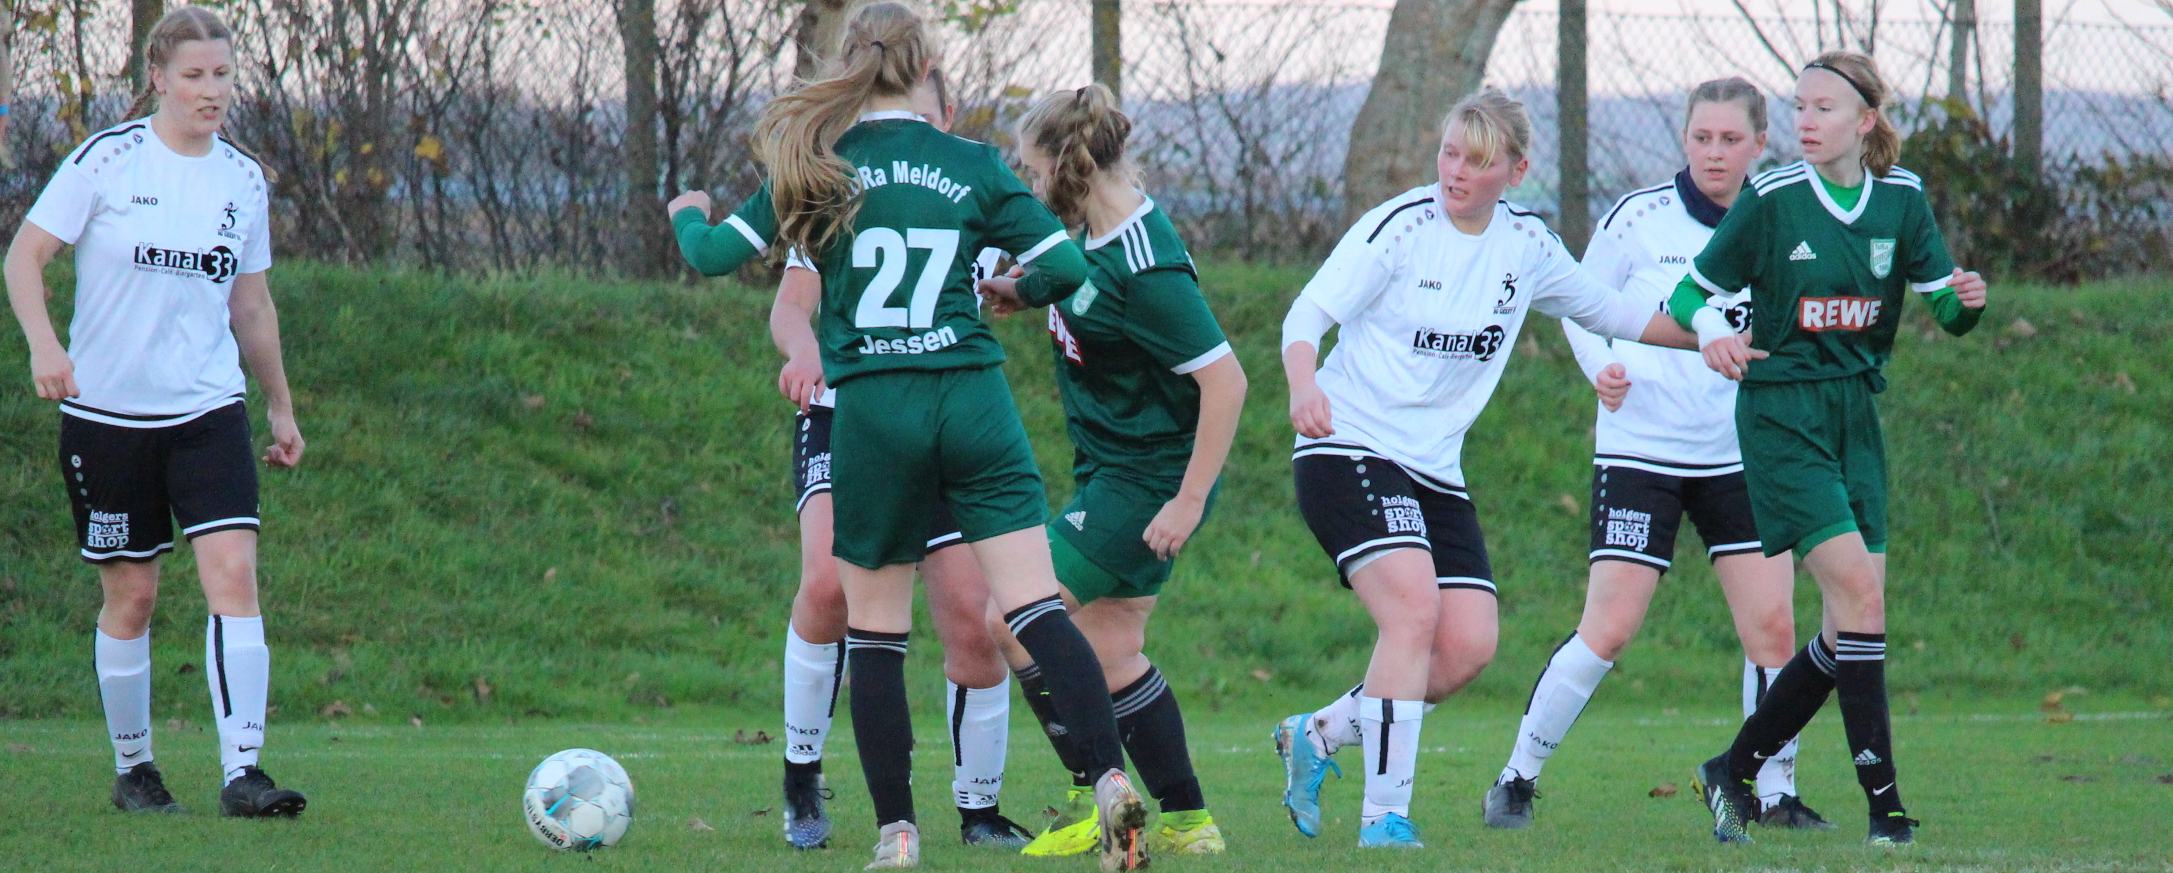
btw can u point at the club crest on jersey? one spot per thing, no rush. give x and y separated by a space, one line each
219 265
1838 313
1084 297
1507 302
1882 257
1478 345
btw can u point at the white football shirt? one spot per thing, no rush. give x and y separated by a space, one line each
159 238
1679 417
1429 315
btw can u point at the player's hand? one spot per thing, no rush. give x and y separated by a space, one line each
696 199
1173 525
286 448
53 373
1613 384
1968 288
1309 412
1000 294
800 381
1730 356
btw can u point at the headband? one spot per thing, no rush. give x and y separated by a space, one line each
1860 92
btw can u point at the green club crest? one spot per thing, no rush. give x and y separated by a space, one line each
1882 257
1084 297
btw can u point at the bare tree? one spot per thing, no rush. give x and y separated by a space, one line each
1575 218
816 35
637 32
2029 84
1962 19
1109 46
1435 52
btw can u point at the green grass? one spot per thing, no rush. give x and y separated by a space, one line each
1998 786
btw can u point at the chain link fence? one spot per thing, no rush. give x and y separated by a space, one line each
489 134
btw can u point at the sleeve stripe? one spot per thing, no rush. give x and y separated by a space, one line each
1608 222
1703 282
1929 287
1391 216
1041 247
1214 354
747 231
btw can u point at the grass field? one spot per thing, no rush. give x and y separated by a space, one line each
1999 787
547 512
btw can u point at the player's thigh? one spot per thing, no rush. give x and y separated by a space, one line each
1617 596
1468 631
1357 507
986 463
116 480
1017 568
1635 516
1115 626
211 481
1792 465
1397 587
1863 463
957 601
884 468
1098 539
879 599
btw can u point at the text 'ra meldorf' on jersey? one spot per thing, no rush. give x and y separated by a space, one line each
908 173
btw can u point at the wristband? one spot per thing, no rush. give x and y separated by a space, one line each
1710 325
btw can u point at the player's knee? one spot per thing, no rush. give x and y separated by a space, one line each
1411 628
128 608
1769 637
1606 639
232 572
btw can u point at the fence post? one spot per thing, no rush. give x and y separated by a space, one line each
644 211
1575 220
2029 85
146 13
1108 49
1962 19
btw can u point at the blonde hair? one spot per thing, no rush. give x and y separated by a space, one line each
1882 146
1734 89
185 24
1493 123
883 52
1083 133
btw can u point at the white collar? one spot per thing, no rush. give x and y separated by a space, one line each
1146 205
891 115
1846 216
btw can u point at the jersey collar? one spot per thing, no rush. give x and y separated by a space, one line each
1695 202
1146 205
1845 216
890 115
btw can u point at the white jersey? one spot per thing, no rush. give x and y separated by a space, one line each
1679 417
159 238
1429 315
983 267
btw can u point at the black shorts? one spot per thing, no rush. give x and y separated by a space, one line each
130 485
1360 504
811 474
1635 514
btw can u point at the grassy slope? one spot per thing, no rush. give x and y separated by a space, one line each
575 492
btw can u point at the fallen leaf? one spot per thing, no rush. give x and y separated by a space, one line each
1664 789
335 709
583 420
1569 503
369 709
415 720
757 813
2061 717
482 690
550 575
2022 328
2122 382
186 668
697 824
1262 675
533 401
759 738
2071 777
2165 778
2052 701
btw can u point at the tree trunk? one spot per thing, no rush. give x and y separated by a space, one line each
144 14
2029 85
1434 54
816 35
1575 221
1962 19
1108 46
643 207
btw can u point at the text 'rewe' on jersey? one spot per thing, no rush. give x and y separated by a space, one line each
159 238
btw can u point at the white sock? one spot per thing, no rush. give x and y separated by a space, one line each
1777 776
1559 697
812 672
980 722
1391 729
124 685
240 679
1336 725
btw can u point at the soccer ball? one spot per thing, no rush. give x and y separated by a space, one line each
578 799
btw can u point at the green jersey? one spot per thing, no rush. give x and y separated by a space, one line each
1826 281
1126 344
898 285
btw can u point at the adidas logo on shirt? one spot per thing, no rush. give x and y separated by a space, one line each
1866 759
1802 253
1077 519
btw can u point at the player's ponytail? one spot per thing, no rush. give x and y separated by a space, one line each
182 25
884 51
1083 133
1882 146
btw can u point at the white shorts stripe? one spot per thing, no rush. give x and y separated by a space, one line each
946 539
1464 582
192 529
1633 557
1419 542
184 418
100 556
1735 547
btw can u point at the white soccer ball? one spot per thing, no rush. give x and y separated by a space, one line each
578 800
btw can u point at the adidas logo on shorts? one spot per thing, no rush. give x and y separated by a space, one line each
1077 519
1866 759
1802 253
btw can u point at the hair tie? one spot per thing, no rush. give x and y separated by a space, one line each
1080 95
1860 91
880 47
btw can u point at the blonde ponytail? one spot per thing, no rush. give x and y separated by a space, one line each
1083 133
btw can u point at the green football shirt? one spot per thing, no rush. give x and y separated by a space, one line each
1126 344
1826 281
898 288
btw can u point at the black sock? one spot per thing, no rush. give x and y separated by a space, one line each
1154 733
1860 678
1797 693
1074 679
1037 699
882 727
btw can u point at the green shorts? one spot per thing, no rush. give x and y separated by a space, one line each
1814 460
1097 540
902 440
